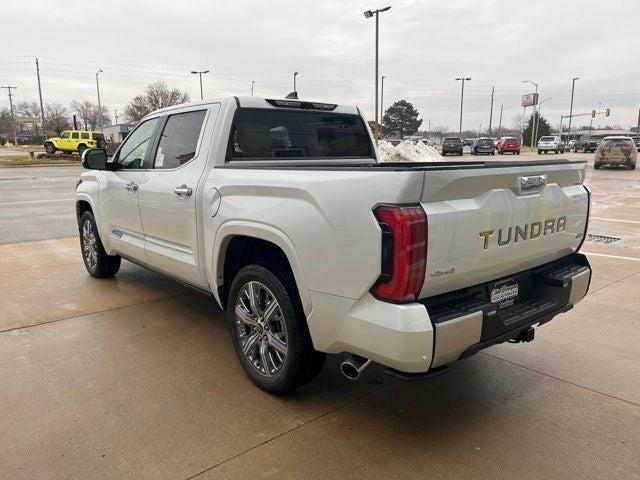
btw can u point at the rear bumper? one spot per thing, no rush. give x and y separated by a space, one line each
615 160
417 337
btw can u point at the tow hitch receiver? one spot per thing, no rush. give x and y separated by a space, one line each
526 335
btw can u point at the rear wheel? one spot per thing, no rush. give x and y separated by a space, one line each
96 260
596 166
632 166
269 330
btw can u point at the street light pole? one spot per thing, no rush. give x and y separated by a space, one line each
200 73
534 123
99 104
382 99
502 107
369 14
462 99
540 108
573 85
491 112
252 84
295 74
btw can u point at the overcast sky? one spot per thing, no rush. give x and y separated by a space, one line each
424 46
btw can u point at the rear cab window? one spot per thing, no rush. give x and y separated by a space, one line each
265 134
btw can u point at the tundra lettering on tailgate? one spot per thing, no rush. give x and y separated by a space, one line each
523 233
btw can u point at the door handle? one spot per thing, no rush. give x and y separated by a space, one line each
132 187
183 190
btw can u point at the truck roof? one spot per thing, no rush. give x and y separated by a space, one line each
259 102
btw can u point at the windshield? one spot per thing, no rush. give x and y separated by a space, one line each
290 135
617 142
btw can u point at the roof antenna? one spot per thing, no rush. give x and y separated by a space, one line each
292 95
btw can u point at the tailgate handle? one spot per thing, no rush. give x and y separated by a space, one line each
531 183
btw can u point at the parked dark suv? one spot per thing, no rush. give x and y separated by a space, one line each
452 145
483 146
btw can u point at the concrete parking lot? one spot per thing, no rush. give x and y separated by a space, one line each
136 377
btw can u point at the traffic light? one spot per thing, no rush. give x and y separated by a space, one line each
593 114
607 111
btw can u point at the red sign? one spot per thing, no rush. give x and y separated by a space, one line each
529 99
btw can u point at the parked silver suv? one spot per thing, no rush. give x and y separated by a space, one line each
551 143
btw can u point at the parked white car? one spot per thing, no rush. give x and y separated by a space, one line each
280 210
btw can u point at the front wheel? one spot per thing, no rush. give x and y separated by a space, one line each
269 330
50 149
81 149
596 166
96 260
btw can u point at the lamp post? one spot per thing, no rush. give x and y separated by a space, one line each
382 99
534 123
463 79
99 104
369 14
540 109
295 74
573 85
502 107
200 73
252 84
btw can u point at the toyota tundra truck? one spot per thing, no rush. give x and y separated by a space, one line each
282 211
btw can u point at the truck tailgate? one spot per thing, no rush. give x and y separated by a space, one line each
490 222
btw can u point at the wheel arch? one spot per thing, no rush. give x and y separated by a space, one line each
242 243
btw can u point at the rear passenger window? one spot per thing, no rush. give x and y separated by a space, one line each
179 139
74 135
84 135
293 135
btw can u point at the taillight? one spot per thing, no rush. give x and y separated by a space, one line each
404 252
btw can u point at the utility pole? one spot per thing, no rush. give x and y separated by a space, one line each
13 118
99 104
462 99
44 129
638 127
369 14
115 114
491 113
500 122
382 99
573 85
252 84
200 73
295 74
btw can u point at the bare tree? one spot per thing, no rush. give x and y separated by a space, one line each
90 115
57 117
518 122
6 127
157 95
28 109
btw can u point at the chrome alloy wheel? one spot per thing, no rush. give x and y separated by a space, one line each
89 245
260 327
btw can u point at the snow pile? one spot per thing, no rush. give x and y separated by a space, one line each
407 151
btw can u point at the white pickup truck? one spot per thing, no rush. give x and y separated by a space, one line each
281 211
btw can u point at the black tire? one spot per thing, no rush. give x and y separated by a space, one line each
632 166
518 152
301 363
50 148
539 152
596 166
97 262
81 149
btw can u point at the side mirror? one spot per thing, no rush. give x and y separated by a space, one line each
94 159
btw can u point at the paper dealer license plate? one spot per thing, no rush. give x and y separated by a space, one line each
504 293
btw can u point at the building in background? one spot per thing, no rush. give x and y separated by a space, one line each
115 134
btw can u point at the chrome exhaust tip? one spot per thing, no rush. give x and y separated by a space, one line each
353 366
